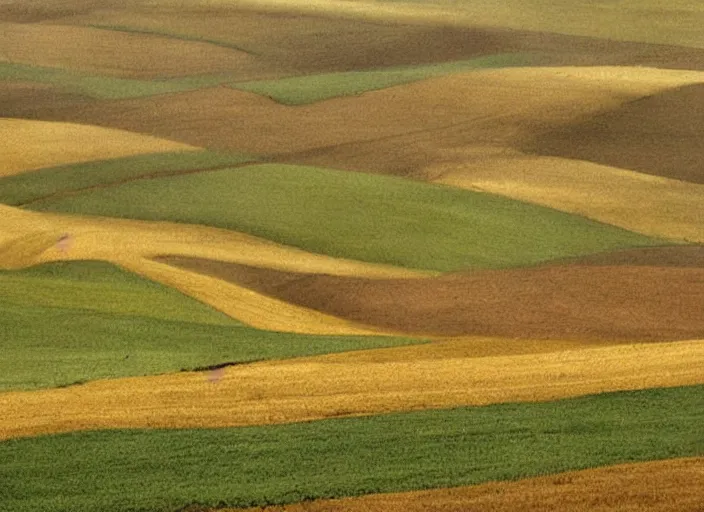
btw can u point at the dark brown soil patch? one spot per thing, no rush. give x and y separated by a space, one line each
23 99
661 135
569 302
669 256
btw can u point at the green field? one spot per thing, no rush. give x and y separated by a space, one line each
103 87
300 90
30 186
64 323
362 216
163 470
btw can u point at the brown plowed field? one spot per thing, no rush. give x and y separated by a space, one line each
669 256
33 11
550 302
490 107
21 99
350 384
108 52
675 485
660 134
307 43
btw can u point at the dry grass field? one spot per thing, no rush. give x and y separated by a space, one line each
30 238
632 200
28 145
141 56
574 129
353 384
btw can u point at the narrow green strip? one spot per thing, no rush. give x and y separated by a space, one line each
155 471
300 90
103 87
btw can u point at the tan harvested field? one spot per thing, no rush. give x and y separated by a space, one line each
127 55
249 306
349 384
451 114
662 207
500 111
28 145
28 238
675 485
602 119
547 302
660 134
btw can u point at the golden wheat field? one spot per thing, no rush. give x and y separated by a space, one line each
354 256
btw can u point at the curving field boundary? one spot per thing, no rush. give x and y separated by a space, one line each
675 485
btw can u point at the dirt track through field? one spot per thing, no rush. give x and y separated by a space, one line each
571 301
348 384
675 485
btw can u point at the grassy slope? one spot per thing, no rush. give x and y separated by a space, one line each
69 322
102 288
300 90
163 470
360 216
21 188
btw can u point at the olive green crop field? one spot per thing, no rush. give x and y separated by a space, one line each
277 465
363 216
351 256
66 179
67 323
